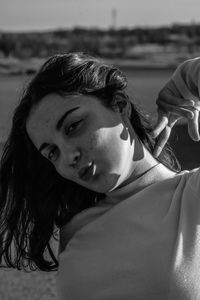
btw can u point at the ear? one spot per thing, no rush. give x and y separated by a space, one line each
122 104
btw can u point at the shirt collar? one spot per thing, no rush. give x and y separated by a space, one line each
153 175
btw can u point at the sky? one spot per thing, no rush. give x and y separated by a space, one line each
26 15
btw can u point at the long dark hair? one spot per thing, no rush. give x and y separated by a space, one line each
35 201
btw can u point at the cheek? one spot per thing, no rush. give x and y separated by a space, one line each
105 146
109 146
63 171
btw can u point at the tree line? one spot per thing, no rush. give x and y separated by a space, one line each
106 43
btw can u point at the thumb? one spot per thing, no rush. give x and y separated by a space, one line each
193 126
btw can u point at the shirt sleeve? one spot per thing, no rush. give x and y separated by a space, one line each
186 79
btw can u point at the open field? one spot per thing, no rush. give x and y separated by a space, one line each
143 86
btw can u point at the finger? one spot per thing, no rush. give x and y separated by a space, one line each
193 127
183 112
160 124
172 120
166 97
197 105
163 138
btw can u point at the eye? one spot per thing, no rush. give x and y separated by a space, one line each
73 127
53 154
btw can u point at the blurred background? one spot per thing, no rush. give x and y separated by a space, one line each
146 39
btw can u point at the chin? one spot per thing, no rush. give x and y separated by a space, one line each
107 184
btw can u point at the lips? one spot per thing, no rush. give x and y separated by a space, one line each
87 172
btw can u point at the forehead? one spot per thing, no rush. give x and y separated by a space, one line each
51 106
54 104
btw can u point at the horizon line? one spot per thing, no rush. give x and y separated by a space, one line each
97 27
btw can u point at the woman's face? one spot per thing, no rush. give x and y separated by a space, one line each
86 142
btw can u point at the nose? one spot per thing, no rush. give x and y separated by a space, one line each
74 158
70 157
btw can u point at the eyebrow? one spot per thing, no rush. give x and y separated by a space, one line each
64 116
59 125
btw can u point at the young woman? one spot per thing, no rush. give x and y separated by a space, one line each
81 159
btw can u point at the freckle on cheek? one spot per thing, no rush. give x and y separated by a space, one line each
92 143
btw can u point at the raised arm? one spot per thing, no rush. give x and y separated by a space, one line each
179 98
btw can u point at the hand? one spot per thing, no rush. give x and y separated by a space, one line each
171 108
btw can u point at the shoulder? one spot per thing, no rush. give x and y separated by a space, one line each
189 187
193 178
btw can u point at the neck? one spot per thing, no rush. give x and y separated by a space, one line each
155 174
141 169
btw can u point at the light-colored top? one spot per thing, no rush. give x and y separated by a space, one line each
138 243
